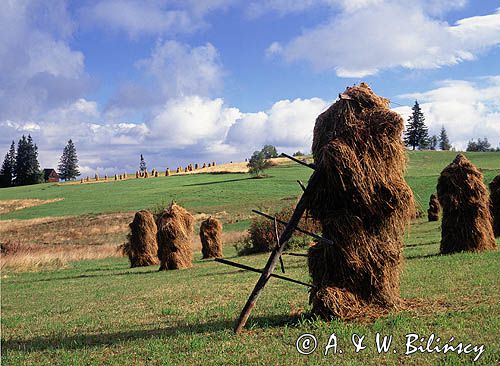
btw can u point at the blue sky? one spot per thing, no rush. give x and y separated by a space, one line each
189 81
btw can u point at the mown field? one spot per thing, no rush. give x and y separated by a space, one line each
102 312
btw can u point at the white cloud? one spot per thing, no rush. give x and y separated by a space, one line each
183 70
467 109
288 124
193 120
150 17
387 34
39 68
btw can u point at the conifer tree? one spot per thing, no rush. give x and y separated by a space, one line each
27 167
7 172
68 164
142 165
416 134
444 142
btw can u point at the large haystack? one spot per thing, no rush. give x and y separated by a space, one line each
433 210
211 238
363 203
141 247
467 223
495 204
175 229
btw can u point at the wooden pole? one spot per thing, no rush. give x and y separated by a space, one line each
248 268
312 166
273 259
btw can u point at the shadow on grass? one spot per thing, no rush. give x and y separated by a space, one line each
218 182
421 256
50 279
80 341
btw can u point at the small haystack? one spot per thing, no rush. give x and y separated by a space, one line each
167 172
495 204
363 203
467 223
141 247
211 238
96 177
433 211
175 228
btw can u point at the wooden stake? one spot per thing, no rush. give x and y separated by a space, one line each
273 259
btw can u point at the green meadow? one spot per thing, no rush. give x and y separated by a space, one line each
100 312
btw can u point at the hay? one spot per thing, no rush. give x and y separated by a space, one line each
211 238
175 227
167 172
141 247
433 211
495 204
96 177
363 203
467 223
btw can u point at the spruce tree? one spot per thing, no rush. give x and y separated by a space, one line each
444 142
8 167
27 167
416 134
433 142
68 164
142 165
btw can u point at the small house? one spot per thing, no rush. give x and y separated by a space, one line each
50 175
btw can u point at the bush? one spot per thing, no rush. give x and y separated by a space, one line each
262 237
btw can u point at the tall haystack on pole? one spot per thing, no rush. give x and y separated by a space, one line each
167 172
363 204
466 223
433 210
175 229
211 238
495 204
141 247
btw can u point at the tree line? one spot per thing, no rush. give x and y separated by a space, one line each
21 167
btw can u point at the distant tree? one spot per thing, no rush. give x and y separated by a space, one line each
68 164
298 153
444 142
433 141
258 163
8 167
416 134
269 152
481 145
27 167
142 165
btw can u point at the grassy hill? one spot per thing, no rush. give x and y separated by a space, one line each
102 312
236 194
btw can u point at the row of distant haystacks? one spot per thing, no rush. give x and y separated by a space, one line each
105 178
167 238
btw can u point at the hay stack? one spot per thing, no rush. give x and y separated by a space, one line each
204 166
105 177
167 172
495 204
124 175
141 247
136 174
96 177
175 227
156 174
433 211
196 166
467 223
116 177
211 238
363 203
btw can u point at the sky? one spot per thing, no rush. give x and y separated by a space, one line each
186 81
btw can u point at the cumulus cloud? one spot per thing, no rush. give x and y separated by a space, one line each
387 34
467 109
39 68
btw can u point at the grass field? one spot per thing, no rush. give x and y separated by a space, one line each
102 312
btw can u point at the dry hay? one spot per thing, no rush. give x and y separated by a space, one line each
96 177
167 172
363 203
156 174
467 223
495 204
141 247
136 174
19 204
175 228
433 211
116 177
211 238
105 177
